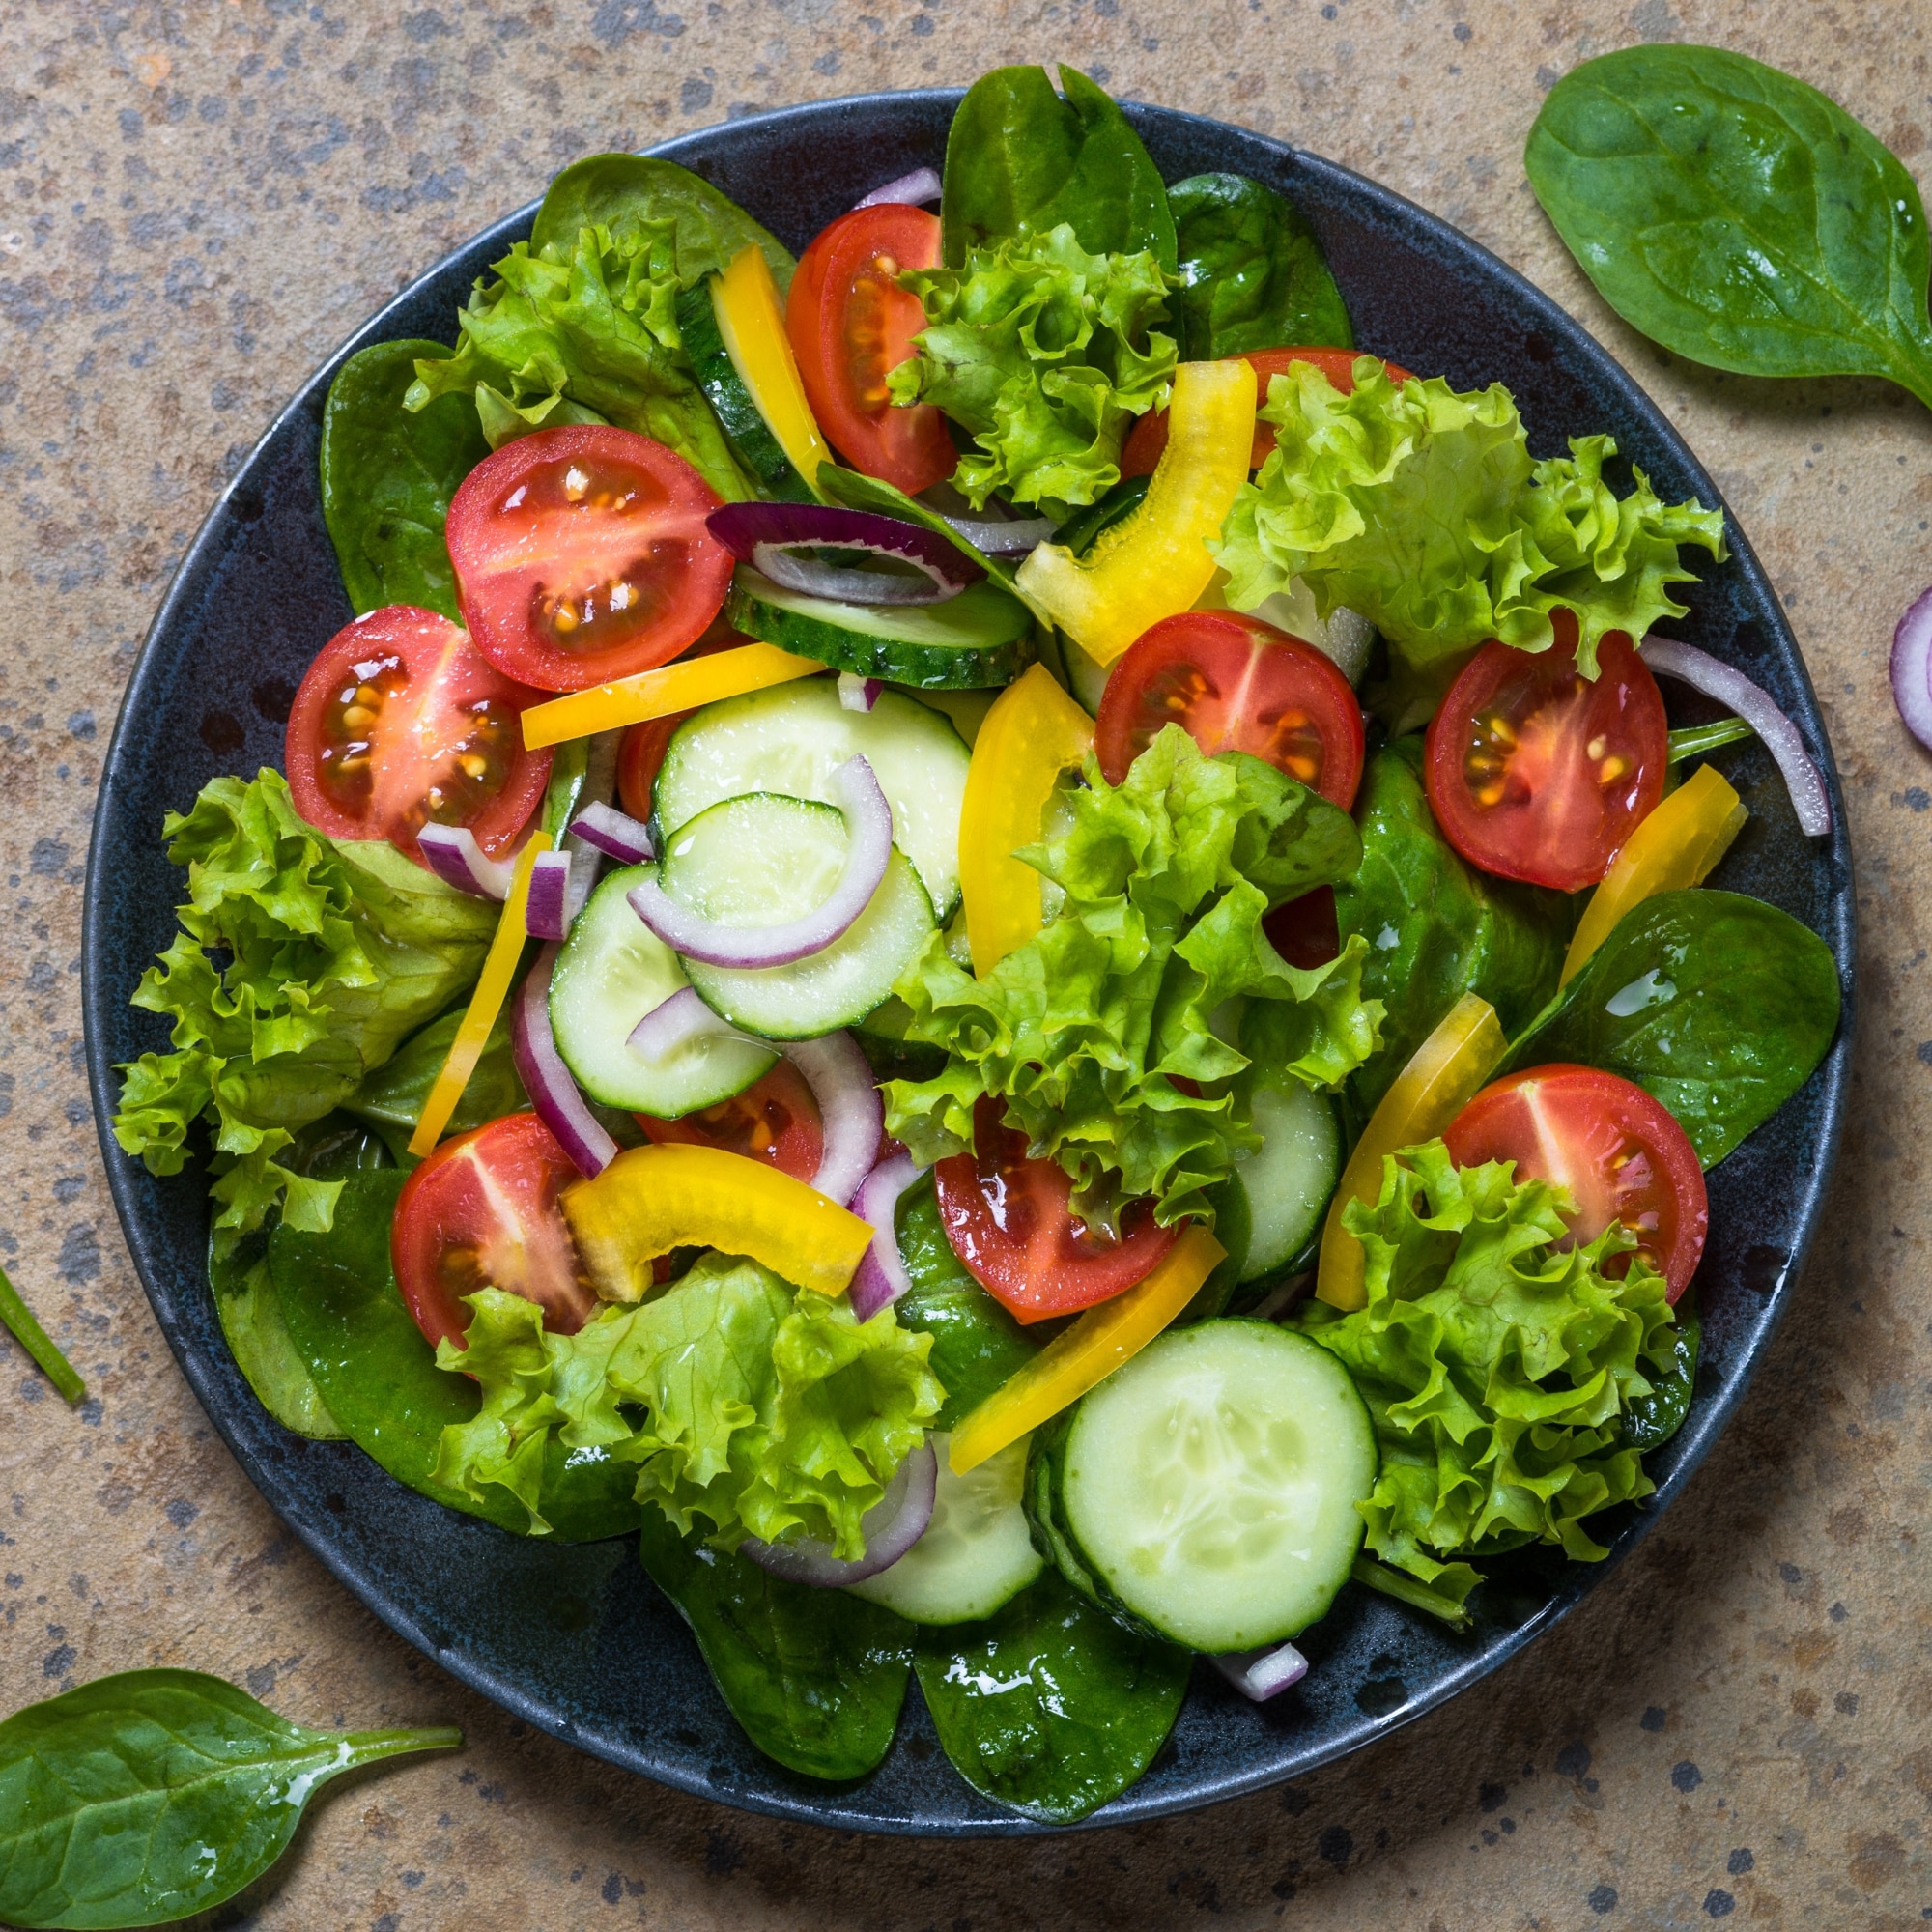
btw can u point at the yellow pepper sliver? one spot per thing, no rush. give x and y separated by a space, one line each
493 988
1429 1093
657 693
1676 847
1087 1353
750 321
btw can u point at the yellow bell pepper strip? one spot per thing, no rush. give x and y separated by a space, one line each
751 320
493 988
1086 1355
1155 563
657 693
1676 847
1429 1093
1033 733
653 1199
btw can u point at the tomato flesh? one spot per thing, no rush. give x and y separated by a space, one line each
1236 685
1009 1219
775 1121
582 555
401 720
482 1212
1536 773
1618 1151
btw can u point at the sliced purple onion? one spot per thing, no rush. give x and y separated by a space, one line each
881 1276
868 827
673 1021
859 693
614 834
891 1527
1911 669
1005 539
765 534
1261 1674
547 912
548 1081
1701 672
453 855
921 186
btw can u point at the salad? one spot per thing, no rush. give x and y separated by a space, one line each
988 939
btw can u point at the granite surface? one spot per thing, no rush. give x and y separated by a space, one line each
196 202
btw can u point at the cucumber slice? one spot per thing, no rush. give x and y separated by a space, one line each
792 737
1085 679
732 400
976 1553
982 637
612 970
762 860
1207 1491
1290 1179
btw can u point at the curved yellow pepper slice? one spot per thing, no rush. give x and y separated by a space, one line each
1033 733
653 1199
1429 1093
657 693
750 321
1676 847
1155 563
1087 1353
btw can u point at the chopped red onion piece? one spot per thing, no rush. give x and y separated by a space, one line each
891 1527
859 693
1005 539
1911 669
1261 1674
452 853
765 534
881 1277
921 186
613 833
548 1081
547 911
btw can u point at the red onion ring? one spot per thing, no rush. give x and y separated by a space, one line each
614 834
452 853
1262 1674
764 534
1911 669
548 1081
1701 672
881 1277
868 825
859 693
891 1527
921 186
547 912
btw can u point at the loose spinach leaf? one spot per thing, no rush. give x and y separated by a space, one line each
1020 161
1050 1706
380 1382
145 1797
1717 1005
1649 1421
1737 216
816 1677
388 476
1253 275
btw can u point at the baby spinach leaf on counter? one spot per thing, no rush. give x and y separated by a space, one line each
1650 1420
388 476
1719 1006
1020 161
391 1097
1737 216
148 1796
816 1677
1050 1706
1252 273
21 1322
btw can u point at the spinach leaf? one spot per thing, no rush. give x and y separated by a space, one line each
856 491
816 1677
250 1312
1737 216
142 1798
380 1382
1649 1421
1050 1706
1020 161
1717 1005
388 476
1253 275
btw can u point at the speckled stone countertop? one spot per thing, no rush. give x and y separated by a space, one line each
196 203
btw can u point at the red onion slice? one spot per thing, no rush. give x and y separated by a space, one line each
548 911
891 1527
921 186
868 827
1262 1674
1911 669
881 1276
859 693
764 535
548 1081
673 1021
1701 672
454 856
1005 539
614 834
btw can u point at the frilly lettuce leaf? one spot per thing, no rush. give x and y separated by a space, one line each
1154 969
1045 353
1423 509
1494 1364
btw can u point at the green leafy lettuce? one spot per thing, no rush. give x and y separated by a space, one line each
1422 509
1497 1366
1154 973
762 1410
300 965
1045 353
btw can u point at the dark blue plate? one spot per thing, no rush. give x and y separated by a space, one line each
575 1639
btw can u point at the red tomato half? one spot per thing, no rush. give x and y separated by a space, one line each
774 1120
1616 1149
1008 1220
581 555
849 323
1236 685
401 720
1536 773
1149 437
481 1213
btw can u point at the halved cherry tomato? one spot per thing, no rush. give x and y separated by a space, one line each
581 555
1149 437
1236 685
774 1120
1536 773
849 323
481 1213
400 720
645 745
1618 1151
1008 1218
